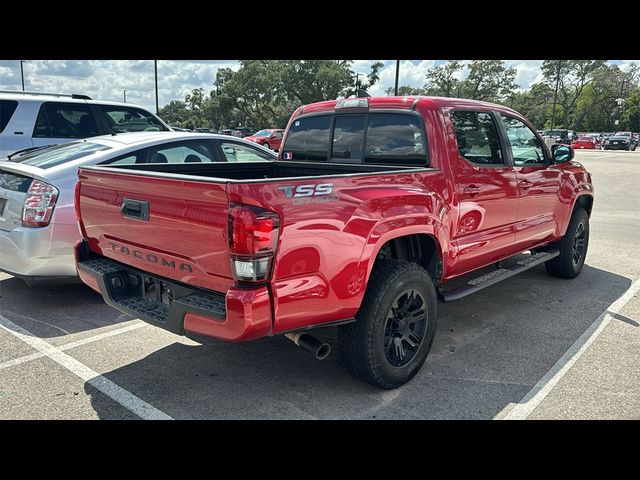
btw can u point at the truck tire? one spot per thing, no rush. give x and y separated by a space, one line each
394 328
573 247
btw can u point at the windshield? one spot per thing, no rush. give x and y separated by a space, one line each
262 133
59 154
623 134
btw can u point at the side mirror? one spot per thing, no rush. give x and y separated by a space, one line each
562 153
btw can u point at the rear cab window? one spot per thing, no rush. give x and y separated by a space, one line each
7 108
384 138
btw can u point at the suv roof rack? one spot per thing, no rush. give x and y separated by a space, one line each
71 95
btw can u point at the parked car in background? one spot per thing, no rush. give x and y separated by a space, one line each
620 141
560 135
29 120
584 142
226 131
599 138
38 226
269 137
242 132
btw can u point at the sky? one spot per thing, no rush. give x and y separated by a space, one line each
108 79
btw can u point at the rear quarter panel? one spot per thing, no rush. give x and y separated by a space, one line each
328 243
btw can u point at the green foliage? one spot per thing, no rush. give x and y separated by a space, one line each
264 93
489 80
442 81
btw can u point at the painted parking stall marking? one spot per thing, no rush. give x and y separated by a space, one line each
125 398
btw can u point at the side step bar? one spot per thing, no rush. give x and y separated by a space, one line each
476 284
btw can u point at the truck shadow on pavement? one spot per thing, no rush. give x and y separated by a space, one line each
55 311
489 351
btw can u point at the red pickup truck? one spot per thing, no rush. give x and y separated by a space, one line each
375 209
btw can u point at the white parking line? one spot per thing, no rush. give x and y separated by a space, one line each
541 389
106 386
70 345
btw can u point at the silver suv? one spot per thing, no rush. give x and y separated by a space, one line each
29 120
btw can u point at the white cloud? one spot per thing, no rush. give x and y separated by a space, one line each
528 71
106 79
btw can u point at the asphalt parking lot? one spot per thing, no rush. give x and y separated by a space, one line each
531 347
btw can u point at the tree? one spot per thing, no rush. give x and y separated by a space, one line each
265 92
489 80
571 76
442 81
174 113
631 115
405 90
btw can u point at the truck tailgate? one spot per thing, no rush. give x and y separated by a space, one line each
165 226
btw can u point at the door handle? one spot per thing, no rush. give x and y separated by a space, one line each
472 190
135 209
525 185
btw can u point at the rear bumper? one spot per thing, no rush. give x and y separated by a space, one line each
617 147
39 252
238 315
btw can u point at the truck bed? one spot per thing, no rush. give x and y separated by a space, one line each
253 171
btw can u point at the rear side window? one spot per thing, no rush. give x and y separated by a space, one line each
7 107
191 152
59 154
235 152
308 138
130 119
65 120
477 137
391 139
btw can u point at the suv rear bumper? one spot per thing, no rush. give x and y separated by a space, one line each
238 315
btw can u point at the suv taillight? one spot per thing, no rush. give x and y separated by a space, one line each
253 238
38 204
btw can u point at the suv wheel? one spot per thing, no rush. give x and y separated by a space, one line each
394 328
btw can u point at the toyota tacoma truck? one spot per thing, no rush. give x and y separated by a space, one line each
375 210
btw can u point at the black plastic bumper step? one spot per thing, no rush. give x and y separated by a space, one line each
122 287
476 284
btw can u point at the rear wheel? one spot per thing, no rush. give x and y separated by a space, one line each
573 247
394 328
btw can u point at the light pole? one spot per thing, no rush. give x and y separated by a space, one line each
397 75
155 67
555 97
357 82
22 73
124 96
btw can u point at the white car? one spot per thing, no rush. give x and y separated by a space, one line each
29 120
38 226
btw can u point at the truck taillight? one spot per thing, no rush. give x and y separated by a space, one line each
253 238
38 205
